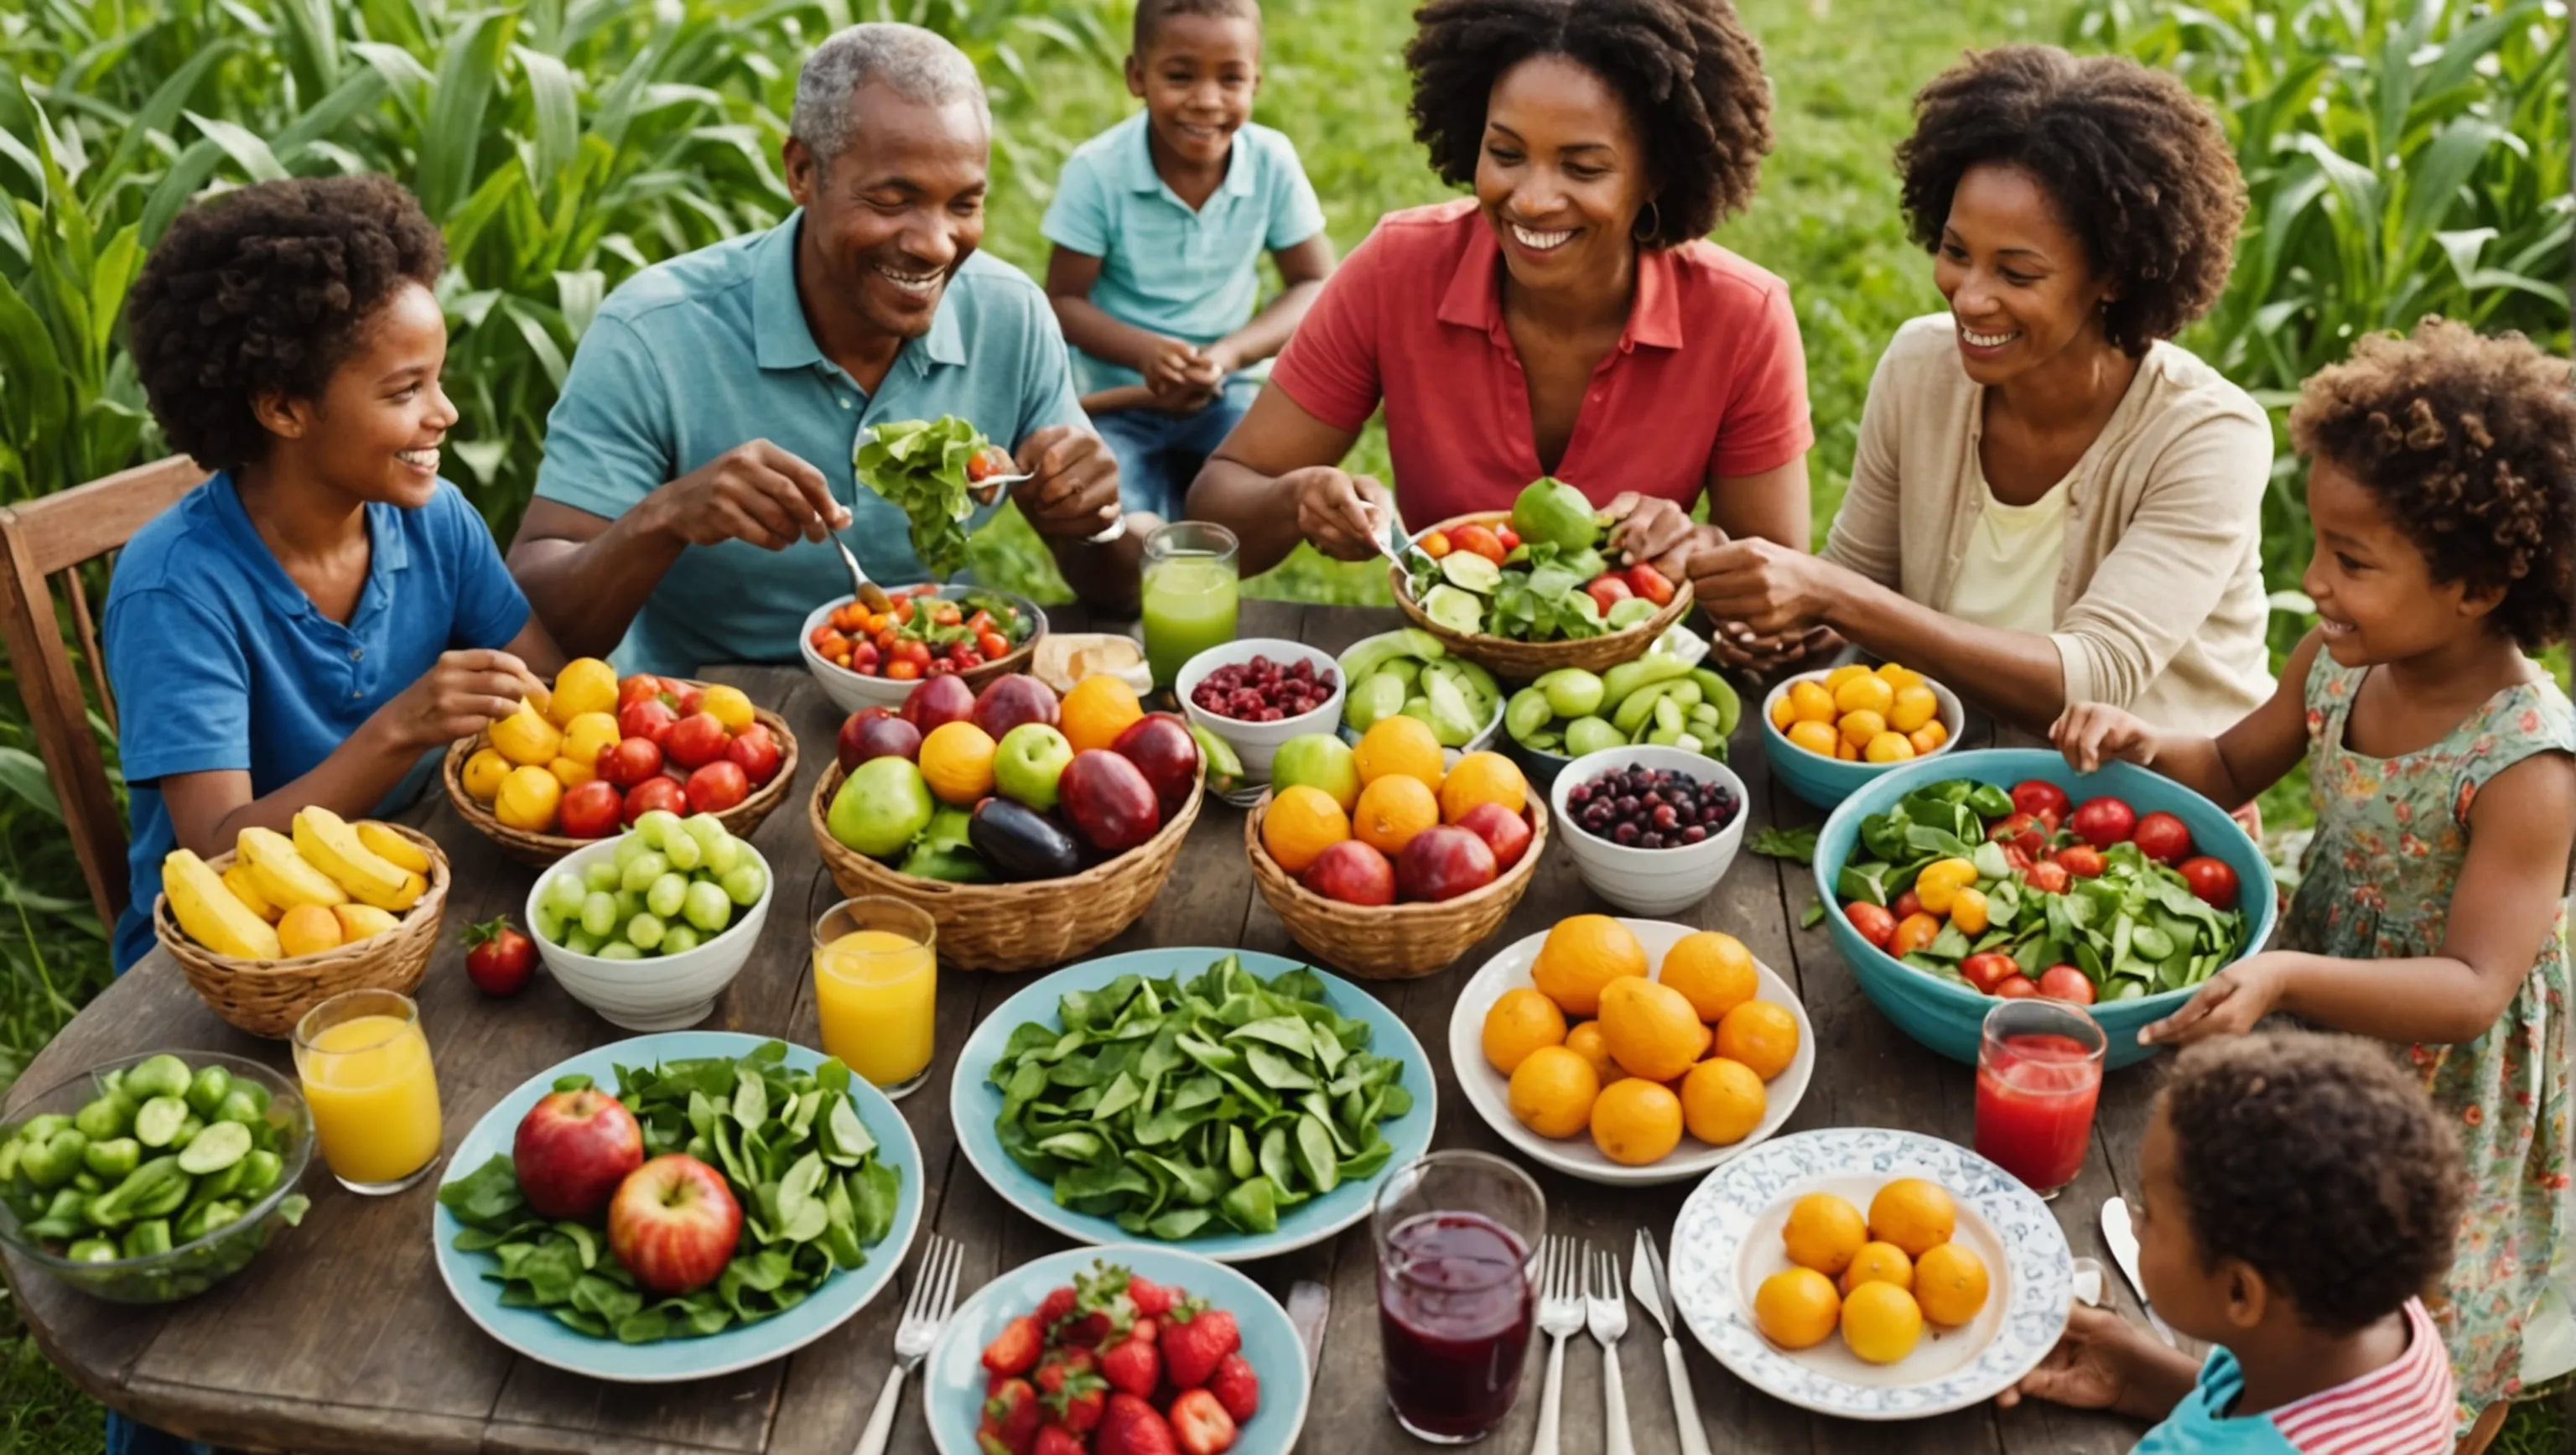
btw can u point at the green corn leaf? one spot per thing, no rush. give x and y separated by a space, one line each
245 148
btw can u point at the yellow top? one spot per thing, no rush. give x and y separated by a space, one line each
2008 578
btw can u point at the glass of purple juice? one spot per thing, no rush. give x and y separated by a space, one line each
1458 1235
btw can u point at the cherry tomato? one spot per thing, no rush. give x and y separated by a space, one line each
969 659
902 669
498 957
1912 933
993 645
945 613
1905 906
1510 538
2212 881
980 622
2082 861
903 608
2015 986
1436 544
863 657
2047 876
2104 821
1988 970
2163 838
2036 796
2022 832
2065 982
913 650
1871 921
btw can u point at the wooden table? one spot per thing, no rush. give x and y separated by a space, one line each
341 1336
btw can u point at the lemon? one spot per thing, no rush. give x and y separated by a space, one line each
1881 1322
1823 1232
1864 693
1796 1308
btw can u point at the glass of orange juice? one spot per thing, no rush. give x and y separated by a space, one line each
367 1078
876 989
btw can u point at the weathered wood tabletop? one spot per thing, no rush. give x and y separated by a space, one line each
341 1336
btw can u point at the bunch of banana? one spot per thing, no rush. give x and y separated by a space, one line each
363 875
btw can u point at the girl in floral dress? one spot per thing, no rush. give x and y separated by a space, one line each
2442 762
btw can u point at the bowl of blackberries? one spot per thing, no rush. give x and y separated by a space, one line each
1652 828
1258 693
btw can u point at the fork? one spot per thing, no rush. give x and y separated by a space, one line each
934 1295
1606 1310
1560 1314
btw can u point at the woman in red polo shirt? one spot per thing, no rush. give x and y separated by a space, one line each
1567 320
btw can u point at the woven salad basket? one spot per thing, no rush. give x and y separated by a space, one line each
1391 941
1008 928
1522 661
267 997
541 850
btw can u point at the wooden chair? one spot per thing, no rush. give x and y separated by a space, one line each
56 535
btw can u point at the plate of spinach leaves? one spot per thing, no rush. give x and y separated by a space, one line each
1233 1103
792 1132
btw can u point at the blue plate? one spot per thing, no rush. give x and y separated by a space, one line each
975 1103
1948 1017
536 1334
953 1380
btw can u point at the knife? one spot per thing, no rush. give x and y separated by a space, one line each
1647 1281
1308 1302
2124 1251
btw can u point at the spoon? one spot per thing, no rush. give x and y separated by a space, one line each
869 594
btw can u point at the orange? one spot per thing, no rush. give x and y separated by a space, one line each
1649 1028
1712 970
1818 738
957 763
1865 693
1797 1308
1722 1101
1845 752
1635 1122
1881 1322
1585 1041
1553 1091
1823 1232
585 685
1879 1263
1915 1214
1581 954
483 773
1761 1035
1914 706
1520 1022
571 772
1302 822
1391 811
308 929
1482 778
1888 748
1096 711
1858 728
1400 746
1950 1283
1810 702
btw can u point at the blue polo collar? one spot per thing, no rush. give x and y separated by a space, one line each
389 550
1138 159
780 339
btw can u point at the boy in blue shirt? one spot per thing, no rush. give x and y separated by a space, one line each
1159 224
2299 1193
313 623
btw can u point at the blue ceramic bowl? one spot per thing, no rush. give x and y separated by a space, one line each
1825 782
1947 1017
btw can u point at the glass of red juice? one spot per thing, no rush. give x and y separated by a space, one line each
2039 1071
1458 1235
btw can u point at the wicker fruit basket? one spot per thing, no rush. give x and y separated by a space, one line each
541 850
267 997
1008 928
1392 941
1522 661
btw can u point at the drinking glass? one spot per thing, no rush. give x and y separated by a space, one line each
1190 594
368 1081
876 989
2039 1071
1458 1235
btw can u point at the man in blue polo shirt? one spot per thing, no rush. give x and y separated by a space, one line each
703 436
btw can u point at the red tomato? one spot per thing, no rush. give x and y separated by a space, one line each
2015 986
647 718
993 645
913 650
1479 540
1988 970
642 687
589 810
902 669
2065 982
1650 583
2162 837
498 957
2015 861
655 792
1905 906
2103 822
1912 933
629 761
1510 538
1871 921
684 698
2212 881
1607 592
756 752
946 613
696 740
940 667
2082 861
2037 796
2022 832
718 786
2047 876
986 463
863 658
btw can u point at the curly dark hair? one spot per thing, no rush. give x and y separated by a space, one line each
2315 1160
2469 442
1689 72
267 288
2136 165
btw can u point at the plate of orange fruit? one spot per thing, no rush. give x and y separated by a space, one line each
1630 1051
1871 1273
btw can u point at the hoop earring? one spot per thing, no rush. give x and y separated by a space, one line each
1638 233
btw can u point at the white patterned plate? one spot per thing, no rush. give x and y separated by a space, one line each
1489 1090
1727 1240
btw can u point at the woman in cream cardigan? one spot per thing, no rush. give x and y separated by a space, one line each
2050 502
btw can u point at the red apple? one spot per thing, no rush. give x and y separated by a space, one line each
1504 832
1351 872
1006 702
867 735
1160 745
1109 801
937 702
646 718
685 698
652 793
629 761
755 750
572 1149
1443 862
696 740
718 786
642 687
673 1224
590 810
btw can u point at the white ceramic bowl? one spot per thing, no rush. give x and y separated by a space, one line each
1256 743
658 992
851 691
1651 882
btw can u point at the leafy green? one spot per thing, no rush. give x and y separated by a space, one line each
1177 1105
1539 596
814 1198
1778 843
919 467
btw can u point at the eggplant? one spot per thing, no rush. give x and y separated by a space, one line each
1020 842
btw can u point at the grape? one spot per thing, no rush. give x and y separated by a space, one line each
707 829
667 893
678 939
707 908
746 883
602 874
629 849
644 931
724 858
599 914
682 850
580 941
642 870
619 950
564 894
654 828
549 922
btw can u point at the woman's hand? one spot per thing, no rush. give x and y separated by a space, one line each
464 693
2090 732
2102 1361
1650 530
1739 646
2228 1005
1761 583
1343 514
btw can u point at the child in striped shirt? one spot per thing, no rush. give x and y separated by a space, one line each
2299 1193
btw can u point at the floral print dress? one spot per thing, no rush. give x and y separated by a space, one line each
2391 835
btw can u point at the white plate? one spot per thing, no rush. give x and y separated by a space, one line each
1489 1090
1727 1240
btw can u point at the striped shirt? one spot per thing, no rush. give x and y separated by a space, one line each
2401 1408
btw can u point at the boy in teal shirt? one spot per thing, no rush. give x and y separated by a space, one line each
1159 224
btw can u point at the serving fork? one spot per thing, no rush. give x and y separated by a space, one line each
934 1297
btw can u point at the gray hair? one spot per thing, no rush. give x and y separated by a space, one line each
918 64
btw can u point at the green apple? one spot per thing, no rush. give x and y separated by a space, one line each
1318 760
1027 763
885 802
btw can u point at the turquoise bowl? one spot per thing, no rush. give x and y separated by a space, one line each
1826 782
1948 1017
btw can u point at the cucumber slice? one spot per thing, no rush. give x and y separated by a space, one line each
219 1146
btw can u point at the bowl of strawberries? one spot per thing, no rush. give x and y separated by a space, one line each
1098 1351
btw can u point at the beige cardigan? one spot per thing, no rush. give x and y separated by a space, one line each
2160 604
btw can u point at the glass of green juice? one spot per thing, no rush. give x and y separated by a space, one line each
1190 594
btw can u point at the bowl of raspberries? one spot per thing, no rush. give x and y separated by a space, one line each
1258 693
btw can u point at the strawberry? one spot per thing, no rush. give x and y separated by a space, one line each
1152 1300
1062 1364
1236 1387
1070 1386
1102 1312
1132 1427
1200 1424
1145 1329
1015 1349
1011 1419
1053 1308
1194 1339
1134 1367
1057 1440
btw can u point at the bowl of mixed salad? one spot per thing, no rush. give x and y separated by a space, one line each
874 659
1960 879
